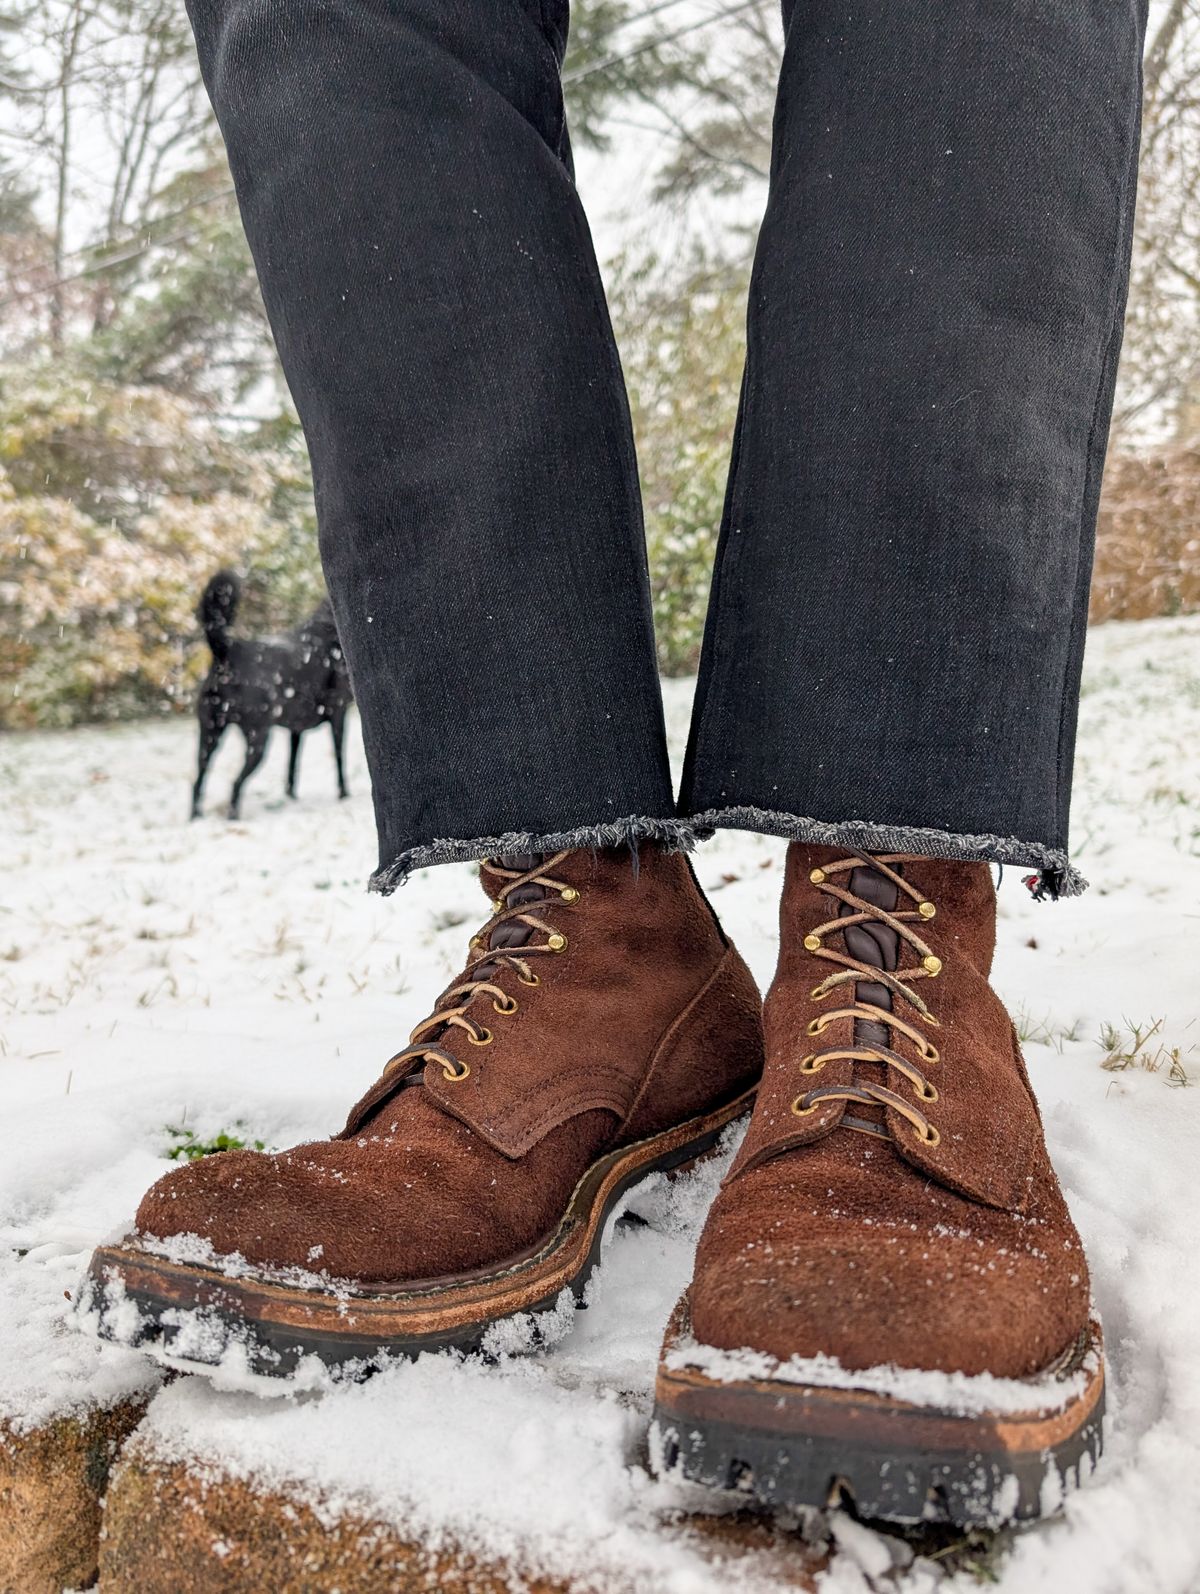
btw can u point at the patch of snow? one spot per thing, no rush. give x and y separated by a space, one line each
157 976
198 1251
870 1552
530 1331
48 1369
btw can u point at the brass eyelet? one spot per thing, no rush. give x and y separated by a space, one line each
529 979
812 943
497 904
927 910
932 1138
803 1112
932 965
569 894
484 1038
505 1007
930 1054
454 1078
817 876
816 1026
557 942
930 1019
928 1092
812 1064
817 994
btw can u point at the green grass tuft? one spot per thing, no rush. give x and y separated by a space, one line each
188 1147
1130 1045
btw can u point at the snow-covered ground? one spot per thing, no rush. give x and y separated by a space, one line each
157 976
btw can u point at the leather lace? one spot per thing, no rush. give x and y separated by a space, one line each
481 977
849 970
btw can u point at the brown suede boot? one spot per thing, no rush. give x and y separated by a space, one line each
603 1028
890 1299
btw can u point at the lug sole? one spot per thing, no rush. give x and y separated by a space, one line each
791 1445
193 1314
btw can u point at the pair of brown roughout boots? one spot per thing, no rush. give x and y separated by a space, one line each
890 1229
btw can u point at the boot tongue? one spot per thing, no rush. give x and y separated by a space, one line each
520 862
513 933
874 944
506 936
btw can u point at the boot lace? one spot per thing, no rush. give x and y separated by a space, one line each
483 971
848 971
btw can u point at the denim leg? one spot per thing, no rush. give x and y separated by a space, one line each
404 178
894 643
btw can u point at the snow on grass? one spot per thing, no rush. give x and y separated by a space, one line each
158 977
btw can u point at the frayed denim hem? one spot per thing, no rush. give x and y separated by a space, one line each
1055 875
675 835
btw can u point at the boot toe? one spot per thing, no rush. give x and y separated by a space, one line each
238 1202
375 1209
309 1208
937 1283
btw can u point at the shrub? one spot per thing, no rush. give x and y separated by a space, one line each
682 341
116 505
1148 536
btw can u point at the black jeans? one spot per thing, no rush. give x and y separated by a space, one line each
894 643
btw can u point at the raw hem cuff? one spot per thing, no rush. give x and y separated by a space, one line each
1055 875
675 835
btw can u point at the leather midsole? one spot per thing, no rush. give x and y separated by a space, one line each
433 1306
873 1420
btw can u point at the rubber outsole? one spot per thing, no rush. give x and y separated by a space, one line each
792 1445
192 1313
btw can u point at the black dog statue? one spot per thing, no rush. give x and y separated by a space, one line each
298 681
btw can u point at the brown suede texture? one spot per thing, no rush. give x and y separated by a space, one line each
647 1018
823 1240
